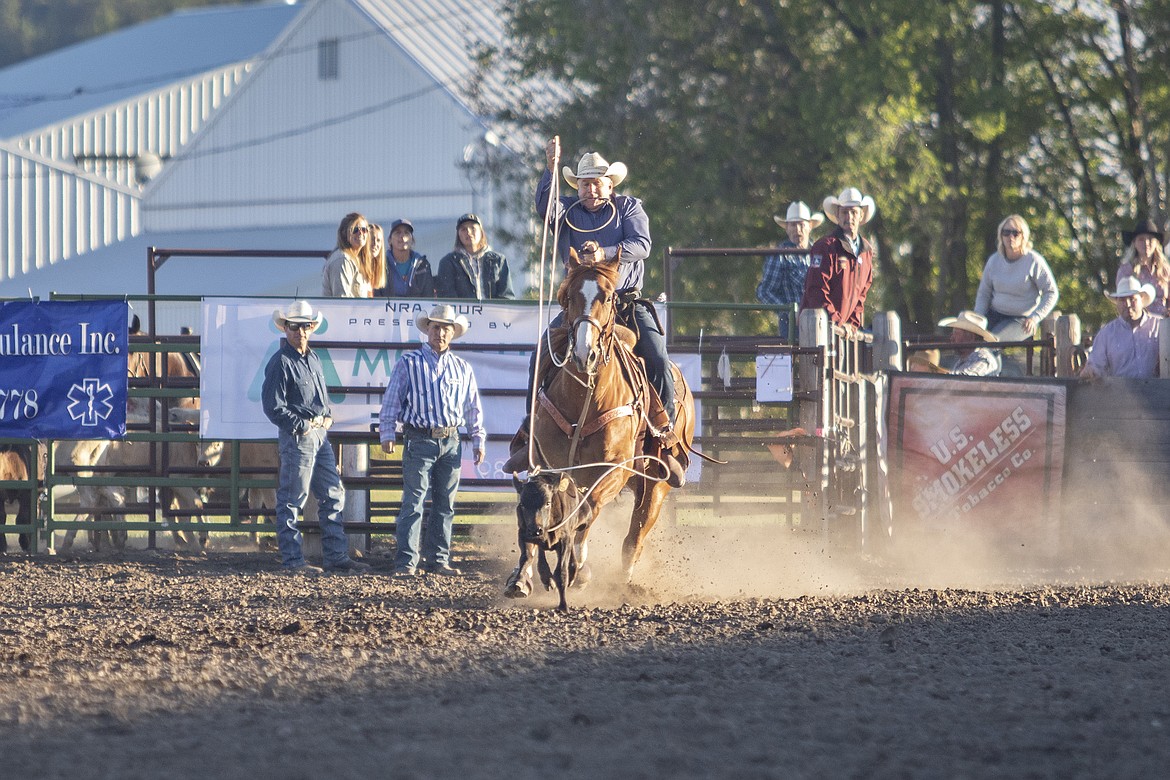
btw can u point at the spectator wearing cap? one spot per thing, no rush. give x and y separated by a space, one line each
473 269
432 393
841 263
408 274
970 329
1128 345
1145 259
295 399
783 280
1017 289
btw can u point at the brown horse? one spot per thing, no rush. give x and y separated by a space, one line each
591 419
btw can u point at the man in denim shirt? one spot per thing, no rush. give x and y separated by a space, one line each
296 401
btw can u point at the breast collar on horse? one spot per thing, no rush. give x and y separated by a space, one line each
634 376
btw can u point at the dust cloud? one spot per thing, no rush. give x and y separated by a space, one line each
724 558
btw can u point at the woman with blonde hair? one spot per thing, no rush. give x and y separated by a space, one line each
376 270
1145 259
344 273
1017 290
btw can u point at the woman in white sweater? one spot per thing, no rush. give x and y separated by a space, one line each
350 272
1018 289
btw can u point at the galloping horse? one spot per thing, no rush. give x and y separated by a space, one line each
591 418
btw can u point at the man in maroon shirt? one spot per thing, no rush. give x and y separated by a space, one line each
841 271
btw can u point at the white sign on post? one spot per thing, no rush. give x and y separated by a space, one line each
774 378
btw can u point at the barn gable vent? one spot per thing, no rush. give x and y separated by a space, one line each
327 56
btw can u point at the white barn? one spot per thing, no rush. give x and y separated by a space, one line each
255 126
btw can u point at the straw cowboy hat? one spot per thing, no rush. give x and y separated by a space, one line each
1132 286
1145 227
444 314
594 166
298 311
798 212
970 322
850 196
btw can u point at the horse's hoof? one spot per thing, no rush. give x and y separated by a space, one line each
516 590
582 577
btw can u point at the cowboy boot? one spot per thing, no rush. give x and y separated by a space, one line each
518 450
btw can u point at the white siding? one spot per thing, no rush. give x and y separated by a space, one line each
160 122
51 214
384 138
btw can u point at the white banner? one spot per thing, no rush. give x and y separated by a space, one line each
239 337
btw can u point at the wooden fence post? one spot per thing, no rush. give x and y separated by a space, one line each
811 372
1164 353
887 341
1068 339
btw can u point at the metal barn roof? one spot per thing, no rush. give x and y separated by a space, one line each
109 69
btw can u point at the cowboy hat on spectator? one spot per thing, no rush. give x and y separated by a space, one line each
297 311
1132 286
850 196
970 322
798 212
444 314
594 166
1144 227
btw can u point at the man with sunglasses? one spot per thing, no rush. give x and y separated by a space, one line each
295 399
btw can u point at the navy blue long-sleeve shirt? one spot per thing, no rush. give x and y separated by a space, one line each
294 389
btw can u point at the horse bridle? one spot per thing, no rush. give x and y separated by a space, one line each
604 331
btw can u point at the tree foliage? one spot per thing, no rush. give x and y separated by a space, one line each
951 114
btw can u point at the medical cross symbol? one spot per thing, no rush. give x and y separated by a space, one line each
89 401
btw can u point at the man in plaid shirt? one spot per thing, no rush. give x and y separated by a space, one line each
783 282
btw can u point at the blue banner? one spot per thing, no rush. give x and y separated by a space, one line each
63 369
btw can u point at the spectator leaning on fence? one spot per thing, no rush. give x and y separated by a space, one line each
1017 289
783 281
295 399
408 274
1145 259
970 329
1128 345
841 263
349 271
432 392
473 269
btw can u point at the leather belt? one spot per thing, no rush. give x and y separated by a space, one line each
432 433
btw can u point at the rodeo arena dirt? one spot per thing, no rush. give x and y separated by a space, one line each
738 650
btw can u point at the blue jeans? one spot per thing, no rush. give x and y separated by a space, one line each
428 465
307 463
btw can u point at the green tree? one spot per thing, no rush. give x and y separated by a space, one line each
952 114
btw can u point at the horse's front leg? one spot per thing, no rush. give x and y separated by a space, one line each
519 584
648 499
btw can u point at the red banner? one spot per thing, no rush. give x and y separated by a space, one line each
977 454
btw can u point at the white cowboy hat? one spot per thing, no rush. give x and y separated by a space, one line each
444 314
1132 286
798 212
298 311
970 322
594 166
850 196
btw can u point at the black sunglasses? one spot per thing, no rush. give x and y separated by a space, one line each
1009 232
359 229
299 325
